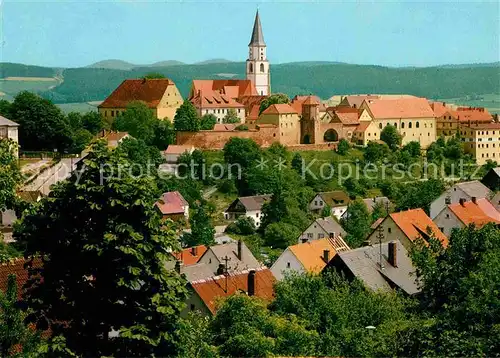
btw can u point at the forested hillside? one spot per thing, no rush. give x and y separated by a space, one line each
18 70
323 79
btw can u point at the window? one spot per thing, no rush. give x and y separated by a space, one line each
257 215
112 113
396 125
3 132
418 124
402 124
209 261
288 265
389 230
409 124
191 307
310 235
321 236
441 229
447 216
380 125
315 202
250 68
262 67
105 113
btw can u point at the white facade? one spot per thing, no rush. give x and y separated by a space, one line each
451 196
317 205
220 113
256 215
287 262
446 220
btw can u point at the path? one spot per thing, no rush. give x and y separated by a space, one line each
45 180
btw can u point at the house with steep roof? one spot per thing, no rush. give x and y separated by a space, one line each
413 118
310 257
481 140
115 138
230 257
172 205
406 227
381 267
249 206
217 104
173 152
233 89
466 190
492 179
9 130
286 118
321 228
205 295
160 95
337 200
477 212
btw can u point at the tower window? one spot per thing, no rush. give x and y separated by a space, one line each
261 67
250 67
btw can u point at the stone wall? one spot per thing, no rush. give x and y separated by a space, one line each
263 136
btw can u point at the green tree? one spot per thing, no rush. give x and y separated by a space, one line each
42 125
281 235
93 122
186 118
16 338
244 152
194 338
164 134
208 122
297 163
275 98
144 157
375 152
413 148
10 176
460 290
380 210
327 211
356 223
138 120
343 146
354 187
81 139
5 108
274 210
104 250
419 194
231 117
391 136
153 76
202 230
244 225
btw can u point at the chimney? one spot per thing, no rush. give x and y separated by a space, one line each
221 269
462 201
393 253
178 265
326 256
194 251
474 200
239 249
251 283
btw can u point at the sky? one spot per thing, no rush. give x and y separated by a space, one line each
73 33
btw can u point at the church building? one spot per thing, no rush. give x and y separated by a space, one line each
258 70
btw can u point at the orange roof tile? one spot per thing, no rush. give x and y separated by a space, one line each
480 126
178 149
212 289
116 136
191 255
150 91
310 254
480 213
254 112
224 127
439 108
473 114
400 108
235 88
213 99
363 126
282 108
414 224
346 115
16 267
171 202
298 101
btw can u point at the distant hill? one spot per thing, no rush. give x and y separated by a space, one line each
213 61
166 63
113 65
322 78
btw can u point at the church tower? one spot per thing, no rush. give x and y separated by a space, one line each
258 70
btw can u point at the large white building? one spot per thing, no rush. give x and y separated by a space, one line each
258 70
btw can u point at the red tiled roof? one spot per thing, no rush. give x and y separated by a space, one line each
282 108
232 88
480 126
363 126
171 202
400 108
473 114
346 115
116 136
414 224
480 213
439 108
298 101
310 254
150 91
16 267
178 149
191 255
212 289
214 99
254 112
357 100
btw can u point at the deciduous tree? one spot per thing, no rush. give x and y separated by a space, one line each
357 223
105 288
208 122
275 98
391 136
186 118
231 117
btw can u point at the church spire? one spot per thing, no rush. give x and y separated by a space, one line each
257 35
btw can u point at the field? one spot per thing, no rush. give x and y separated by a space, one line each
12 86
490 101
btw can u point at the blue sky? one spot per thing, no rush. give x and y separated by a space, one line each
77 33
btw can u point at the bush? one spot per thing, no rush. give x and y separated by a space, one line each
242 127
343 147
244 225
